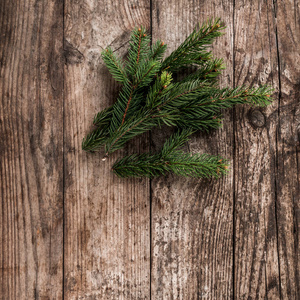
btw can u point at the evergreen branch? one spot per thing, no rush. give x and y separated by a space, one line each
159 90
127 106
210 70
175 141
204 112
131 128
194 49
158 50
182 93
145 73
170 160
143 77
211 100
129 95
147 118
206 123
115 65
139 50
180 163
149 98
103 117
141 71
95 140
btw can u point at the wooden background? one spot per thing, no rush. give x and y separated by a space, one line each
72 230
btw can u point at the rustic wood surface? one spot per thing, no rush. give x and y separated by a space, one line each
256 257
72 230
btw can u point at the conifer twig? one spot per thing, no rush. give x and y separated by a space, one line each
150 98
171 160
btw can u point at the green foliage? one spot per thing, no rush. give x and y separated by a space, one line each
171 160
115 65
150 97
193 51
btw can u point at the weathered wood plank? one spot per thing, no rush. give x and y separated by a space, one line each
256 257
288 139
31 130
107 243
192 220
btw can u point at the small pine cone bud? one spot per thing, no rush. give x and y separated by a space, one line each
162 43
165 86
220 160
226 167
218 25
268 95
139 29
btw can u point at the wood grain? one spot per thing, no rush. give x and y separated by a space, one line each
192 220
69 229
256 257
288 144
107 243
31 130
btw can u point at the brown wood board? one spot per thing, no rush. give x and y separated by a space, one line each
70 229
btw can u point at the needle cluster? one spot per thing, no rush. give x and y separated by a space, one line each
151 97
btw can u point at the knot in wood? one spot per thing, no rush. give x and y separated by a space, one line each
72 55
257 118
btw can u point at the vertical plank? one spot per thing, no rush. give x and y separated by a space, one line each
192 225
288 139
107 254
31 182
256 256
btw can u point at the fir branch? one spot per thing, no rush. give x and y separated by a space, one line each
148 118
145 73
115 65
103 117
141 70
149 98
175 141
136 125
139 50
193 103
159 90
95 140
170 160
182 93
194 49
206 124
210 70
204 113
158 50
211 100
143 77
